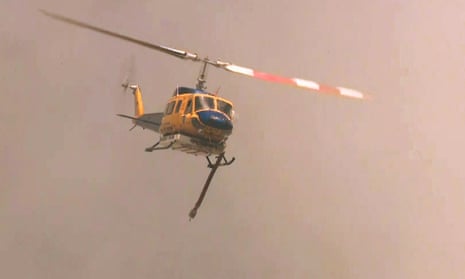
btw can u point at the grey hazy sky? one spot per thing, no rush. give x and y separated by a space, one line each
322 187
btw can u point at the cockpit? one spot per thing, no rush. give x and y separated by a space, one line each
206 102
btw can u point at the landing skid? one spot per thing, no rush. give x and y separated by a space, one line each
188 144
154 147
220 162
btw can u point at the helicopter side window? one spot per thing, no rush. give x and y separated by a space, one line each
204 102
224 107
170 107
178 106
188 107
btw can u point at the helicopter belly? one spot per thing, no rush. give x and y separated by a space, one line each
191 145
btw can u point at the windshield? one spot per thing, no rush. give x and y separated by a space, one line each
225 108
204 102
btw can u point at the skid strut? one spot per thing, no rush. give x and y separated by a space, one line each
154 147
220 161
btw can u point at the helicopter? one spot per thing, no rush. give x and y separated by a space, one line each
196 121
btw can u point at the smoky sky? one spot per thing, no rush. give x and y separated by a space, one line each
322 187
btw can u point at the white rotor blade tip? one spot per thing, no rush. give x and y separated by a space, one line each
240 70
307 84
350 93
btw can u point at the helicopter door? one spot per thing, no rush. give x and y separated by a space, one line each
176 116
187 109
168 125
178 107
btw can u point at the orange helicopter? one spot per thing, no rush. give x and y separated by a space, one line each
196 121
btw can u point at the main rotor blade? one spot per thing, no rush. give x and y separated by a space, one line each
302 83
172 51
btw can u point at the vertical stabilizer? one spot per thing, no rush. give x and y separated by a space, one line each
139 105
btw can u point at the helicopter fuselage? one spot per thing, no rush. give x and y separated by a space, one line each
196 122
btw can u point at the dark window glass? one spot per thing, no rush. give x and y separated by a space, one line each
204 102
178 106
224 107
170 107
188 107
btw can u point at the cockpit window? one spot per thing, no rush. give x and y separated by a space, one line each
204 102
170 107
178 106
188 107
224 107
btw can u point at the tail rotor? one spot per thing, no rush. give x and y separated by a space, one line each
128 79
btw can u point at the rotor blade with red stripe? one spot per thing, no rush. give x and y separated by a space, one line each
302 83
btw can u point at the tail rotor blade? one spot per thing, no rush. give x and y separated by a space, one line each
129 73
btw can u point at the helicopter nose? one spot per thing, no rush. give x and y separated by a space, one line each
215 119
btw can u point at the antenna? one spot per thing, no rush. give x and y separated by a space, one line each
217 91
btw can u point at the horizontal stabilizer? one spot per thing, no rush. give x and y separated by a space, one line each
127 116
151 121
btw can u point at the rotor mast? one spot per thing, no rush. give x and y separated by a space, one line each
202 78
